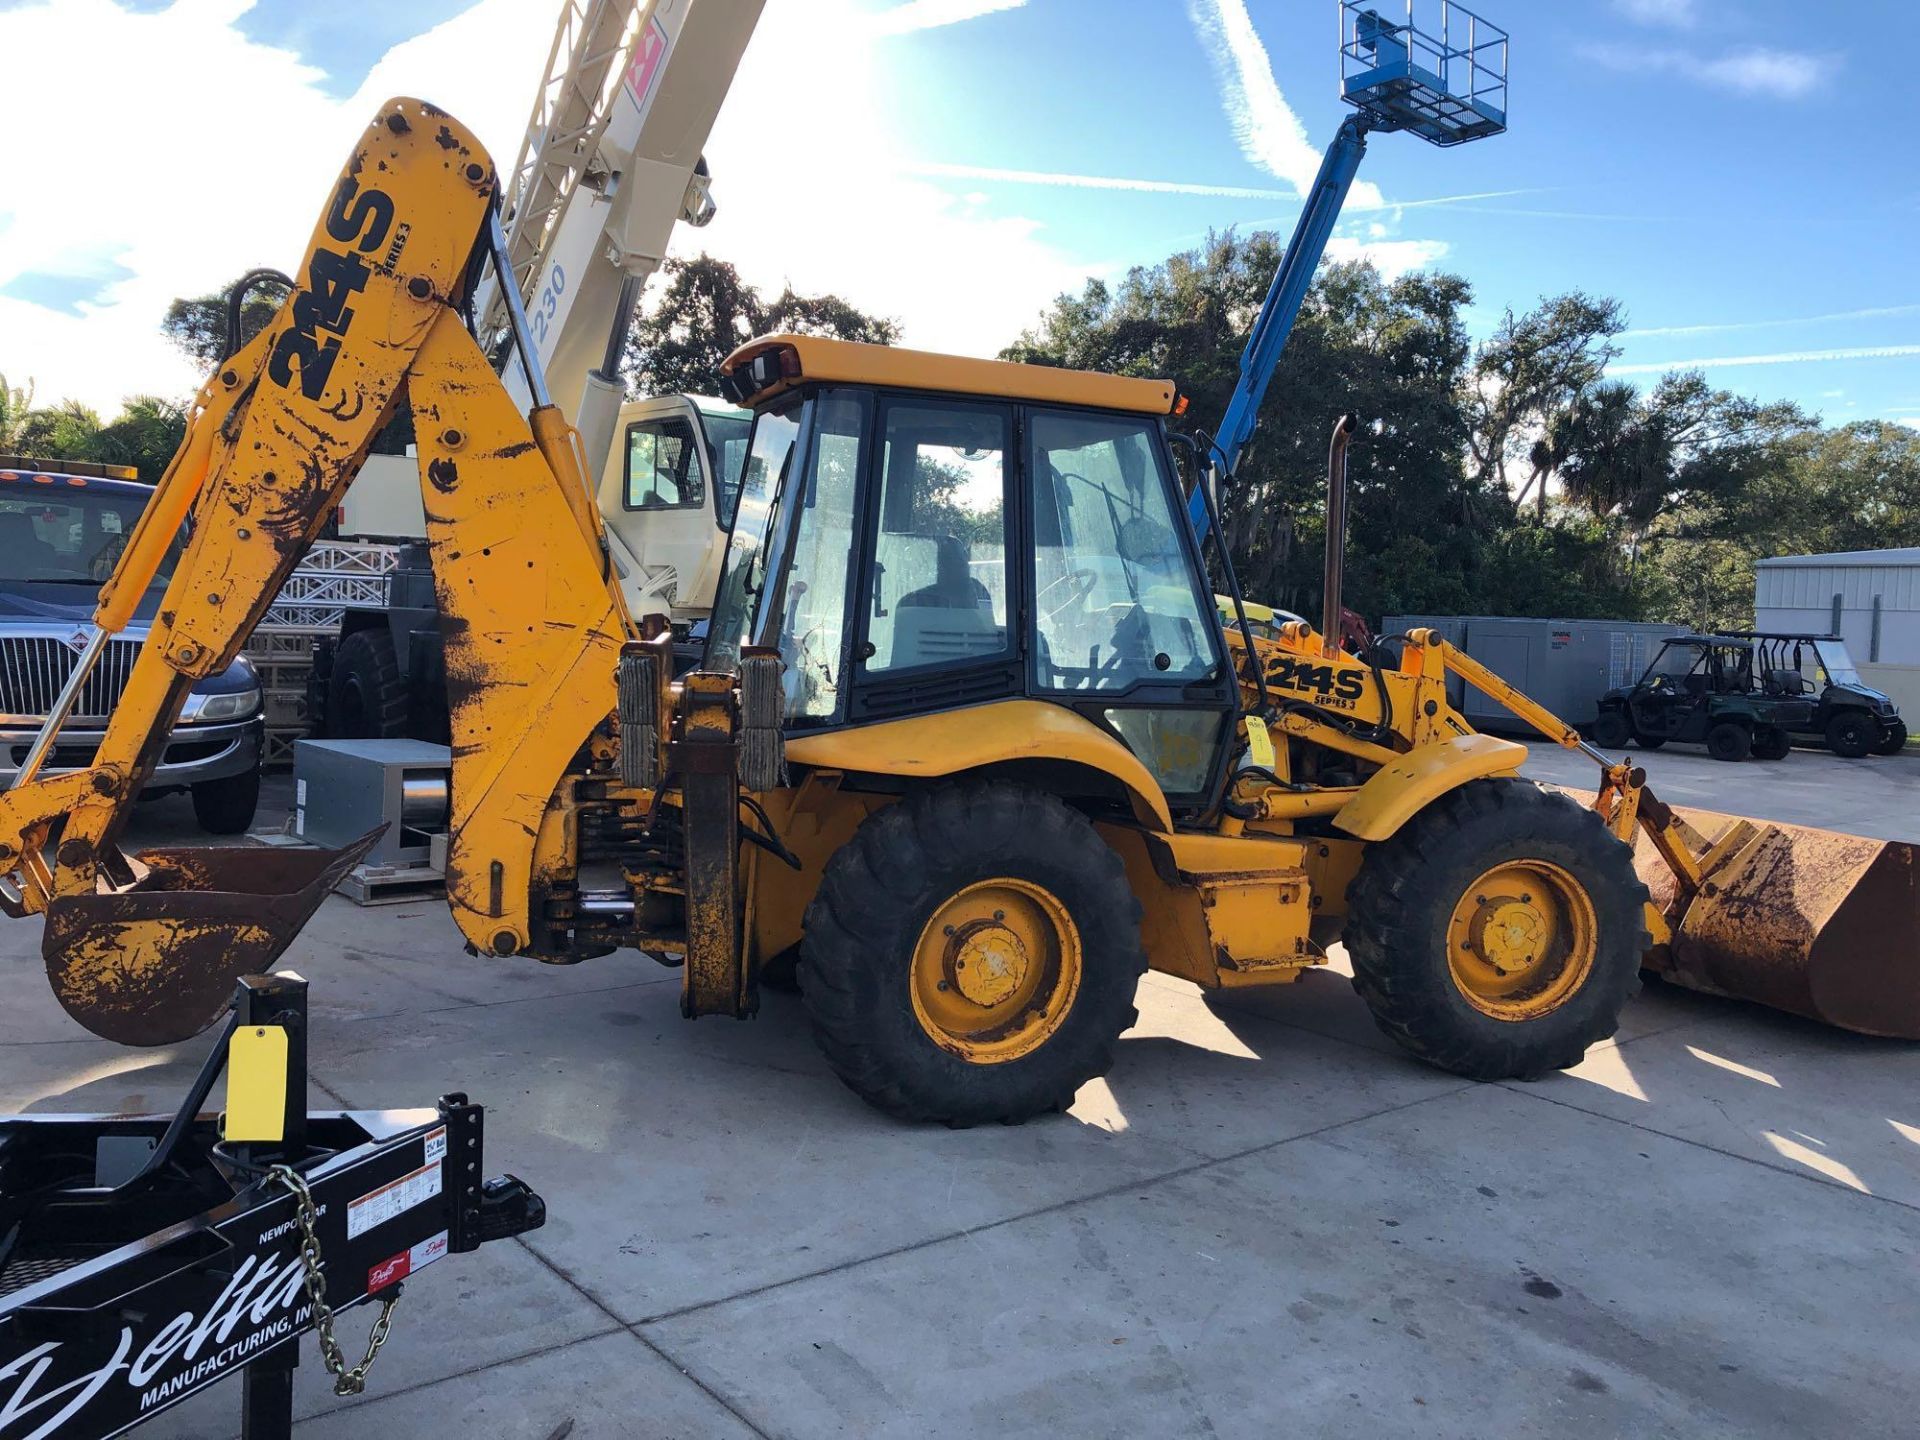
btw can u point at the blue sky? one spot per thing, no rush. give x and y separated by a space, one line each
1721 167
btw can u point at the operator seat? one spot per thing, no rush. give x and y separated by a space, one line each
950 619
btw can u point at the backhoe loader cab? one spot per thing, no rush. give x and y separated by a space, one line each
919 533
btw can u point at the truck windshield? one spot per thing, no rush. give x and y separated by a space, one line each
70 535
762 478
727 432
1837 662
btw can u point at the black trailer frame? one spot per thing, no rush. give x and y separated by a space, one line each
144 1258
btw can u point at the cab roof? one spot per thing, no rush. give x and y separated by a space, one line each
75 474
797 360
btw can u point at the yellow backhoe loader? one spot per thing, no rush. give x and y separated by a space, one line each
970 744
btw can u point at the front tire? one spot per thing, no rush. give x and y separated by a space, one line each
1770 742
226 806
1499 934
1730 741
972 955
1852 734
1894 740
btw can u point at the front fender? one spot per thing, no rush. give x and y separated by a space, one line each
1414 781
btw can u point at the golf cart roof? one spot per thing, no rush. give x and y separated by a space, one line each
1781 635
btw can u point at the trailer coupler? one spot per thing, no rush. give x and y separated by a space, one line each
144 1258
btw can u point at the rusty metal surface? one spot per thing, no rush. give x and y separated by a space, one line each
155 963
1809 921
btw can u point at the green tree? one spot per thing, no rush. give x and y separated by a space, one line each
197 325
1394 353
145 435
1533 369
63 432
16 404
707 311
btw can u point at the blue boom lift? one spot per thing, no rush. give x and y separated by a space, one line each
1446 83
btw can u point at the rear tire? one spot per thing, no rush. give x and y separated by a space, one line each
1405 908
864 974
226 806
1894 740
1611 730
1730 741
1852 734
366 697
1770 742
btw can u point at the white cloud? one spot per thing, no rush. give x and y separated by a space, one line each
1912 422
216 153
1772 74
1882 312
942 170
915 15
1673 14
1791 357
960 275
1269 132
1392 258
214 156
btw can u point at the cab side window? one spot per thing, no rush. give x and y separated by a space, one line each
663 471
939 584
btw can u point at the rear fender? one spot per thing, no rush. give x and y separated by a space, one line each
1005 737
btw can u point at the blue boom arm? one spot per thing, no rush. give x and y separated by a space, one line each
1282 305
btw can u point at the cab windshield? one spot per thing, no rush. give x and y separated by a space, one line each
72 535
1837 662
761 478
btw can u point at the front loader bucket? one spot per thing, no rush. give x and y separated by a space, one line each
155 963
1810 921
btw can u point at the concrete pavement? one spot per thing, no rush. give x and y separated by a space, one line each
1265 1220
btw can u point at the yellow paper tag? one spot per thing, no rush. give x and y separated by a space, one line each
1259 743
257 1084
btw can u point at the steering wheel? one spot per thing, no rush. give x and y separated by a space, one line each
1660 682
1081 583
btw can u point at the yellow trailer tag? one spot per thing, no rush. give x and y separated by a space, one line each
257 1084
1259 743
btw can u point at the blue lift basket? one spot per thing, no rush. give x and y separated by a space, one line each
1429 66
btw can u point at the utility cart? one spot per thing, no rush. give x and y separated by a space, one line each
145 1258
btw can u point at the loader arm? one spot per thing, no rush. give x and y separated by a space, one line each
145 949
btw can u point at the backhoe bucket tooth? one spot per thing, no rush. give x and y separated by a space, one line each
1809 921
155 963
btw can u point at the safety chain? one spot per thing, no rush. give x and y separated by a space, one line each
345 1381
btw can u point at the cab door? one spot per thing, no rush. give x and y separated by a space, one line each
1122 624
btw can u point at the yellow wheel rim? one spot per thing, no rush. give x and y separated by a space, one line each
996 970
1522 940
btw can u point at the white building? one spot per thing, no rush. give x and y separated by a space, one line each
1870 598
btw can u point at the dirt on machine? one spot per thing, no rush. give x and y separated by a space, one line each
970 747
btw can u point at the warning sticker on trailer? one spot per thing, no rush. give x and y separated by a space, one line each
436 1145
397 1197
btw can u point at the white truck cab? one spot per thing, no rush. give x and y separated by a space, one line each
667 492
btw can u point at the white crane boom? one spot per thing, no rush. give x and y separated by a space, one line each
611 160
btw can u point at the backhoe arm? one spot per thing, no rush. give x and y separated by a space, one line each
145 949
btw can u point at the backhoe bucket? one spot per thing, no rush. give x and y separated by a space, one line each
155 963
1809 921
